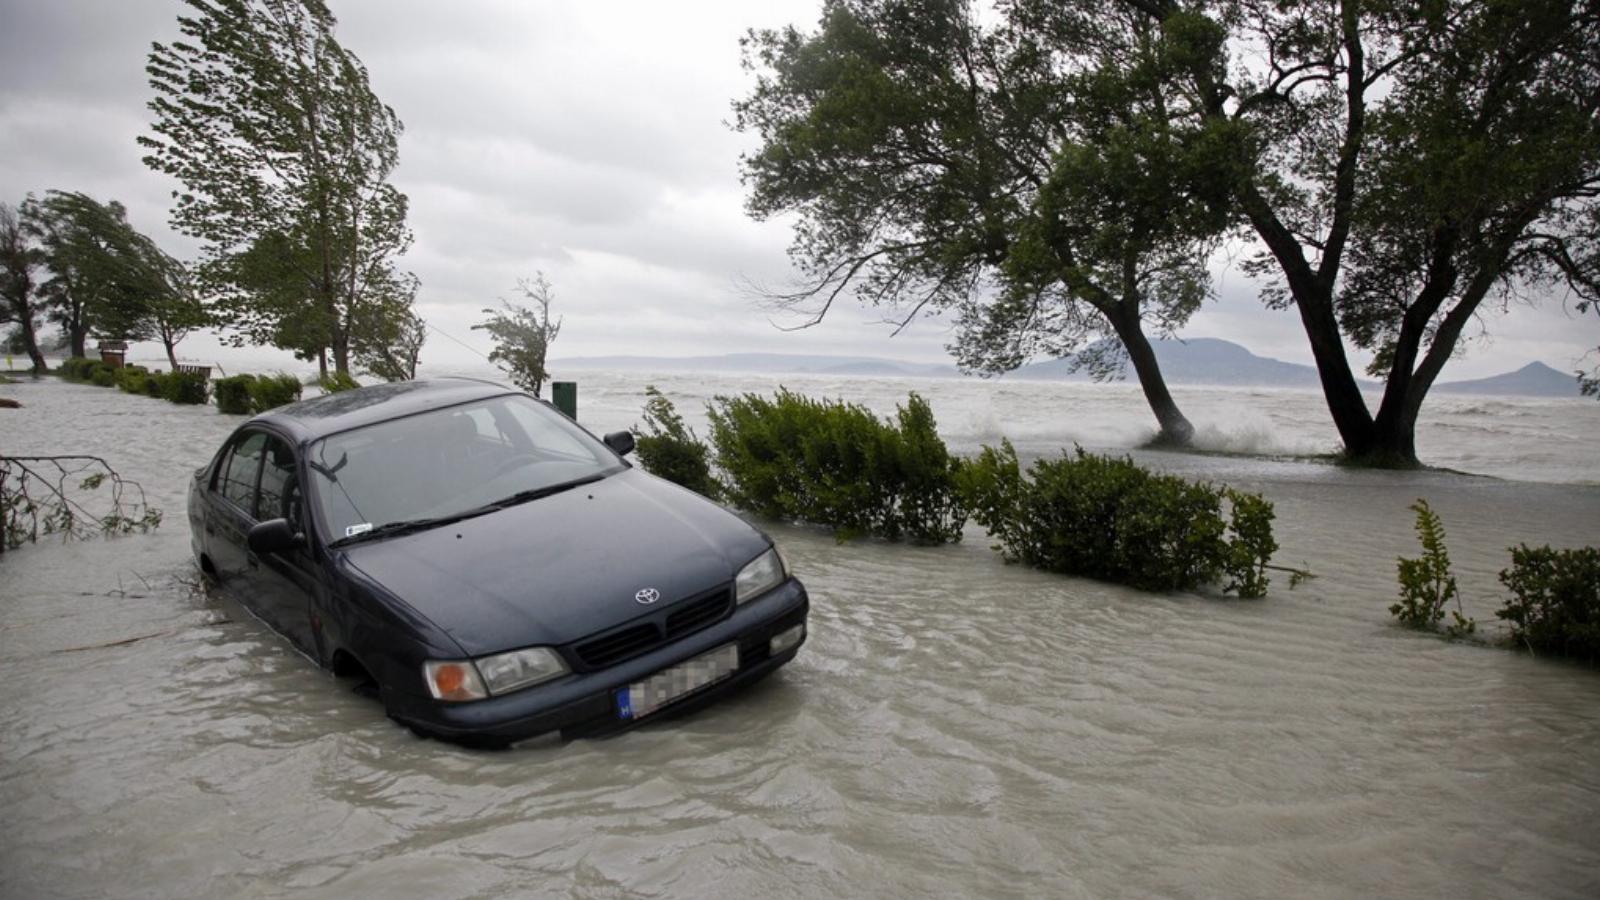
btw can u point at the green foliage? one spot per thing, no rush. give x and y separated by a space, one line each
155 384
186 388
836 464
522 335
104 376
1107 518
334 382
47 495
20 259
285 156
670 449
78 368
131 379
233 394
272 391
1556 602
1426 585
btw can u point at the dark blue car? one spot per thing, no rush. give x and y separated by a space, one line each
495 570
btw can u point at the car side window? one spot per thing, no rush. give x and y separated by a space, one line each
238 481
279 496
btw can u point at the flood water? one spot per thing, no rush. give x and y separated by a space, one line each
954 726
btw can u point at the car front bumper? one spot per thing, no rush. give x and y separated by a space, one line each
585 703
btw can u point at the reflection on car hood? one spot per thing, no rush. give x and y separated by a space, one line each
562 567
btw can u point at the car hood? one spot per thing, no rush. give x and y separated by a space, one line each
562 567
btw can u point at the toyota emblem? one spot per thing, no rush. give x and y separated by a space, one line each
647 596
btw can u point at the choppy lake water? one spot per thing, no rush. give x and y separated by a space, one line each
955 726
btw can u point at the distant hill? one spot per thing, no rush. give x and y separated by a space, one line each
1532 380
1196 361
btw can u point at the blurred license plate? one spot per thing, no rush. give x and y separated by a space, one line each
642 698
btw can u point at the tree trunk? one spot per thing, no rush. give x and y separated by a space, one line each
172 351
1175 428
30 342
78 338
322 364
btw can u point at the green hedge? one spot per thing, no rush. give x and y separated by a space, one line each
131 379
1555 607
186 388
336 382
671 449
1107 518
155 384
233 394
272 391
837 464
87 371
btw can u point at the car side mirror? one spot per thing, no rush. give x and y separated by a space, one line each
273 536
620 441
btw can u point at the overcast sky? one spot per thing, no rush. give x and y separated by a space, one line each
586 140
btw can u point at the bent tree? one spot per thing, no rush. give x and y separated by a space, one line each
1403 165
1039 176
284 154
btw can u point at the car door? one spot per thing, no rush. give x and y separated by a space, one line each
286 582
230 497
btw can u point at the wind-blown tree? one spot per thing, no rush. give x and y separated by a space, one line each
285 156
166 298
522 335
388 345
1039 175
90 251
19 262
1404 165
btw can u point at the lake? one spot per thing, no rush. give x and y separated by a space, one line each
954 726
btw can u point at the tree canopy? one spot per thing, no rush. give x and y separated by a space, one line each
522 335
284 154
1037 175
19 263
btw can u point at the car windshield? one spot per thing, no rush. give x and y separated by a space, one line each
446 464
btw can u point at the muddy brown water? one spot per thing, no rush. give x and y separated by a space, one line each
955 726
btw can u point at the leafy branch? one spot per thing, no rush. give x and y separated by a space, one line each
46 495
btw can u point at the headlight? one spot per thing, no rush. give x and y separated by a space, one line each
507 672
764 573
498 674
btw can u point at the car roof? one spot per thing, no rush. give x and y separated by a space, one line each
318 417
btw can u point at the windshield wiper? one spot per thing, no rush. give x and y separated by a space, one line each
547 490
409 526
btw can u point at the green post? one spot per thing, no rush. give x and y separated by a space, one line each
564 394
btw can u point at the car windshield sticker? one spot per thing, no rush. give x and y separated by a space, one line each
354 530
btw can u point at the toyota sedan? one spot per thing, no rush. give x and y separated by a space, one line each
494 569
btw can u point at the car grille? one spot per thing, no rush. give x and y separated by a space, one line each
672 623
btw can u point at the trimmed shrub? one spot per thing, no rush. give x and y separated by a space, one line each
188 388
77 368
336 382
671 449
1556 602
233 394
272 391
835 463
131 379
1107 518
155 384
103 375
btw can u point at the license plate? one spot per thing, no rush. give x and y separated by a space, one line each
642 698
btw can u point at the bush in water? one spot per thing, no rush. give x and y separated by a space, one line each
155 384
233 394
1426 584
272 391
78 368
671 449
835 463
185 387
338 381
131 379
1556 602
1107 518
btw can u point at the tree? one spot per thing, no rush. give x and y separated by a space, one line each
19 259
170 306
285 155
95 282
1039 175
390 347
522 336
1403 165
